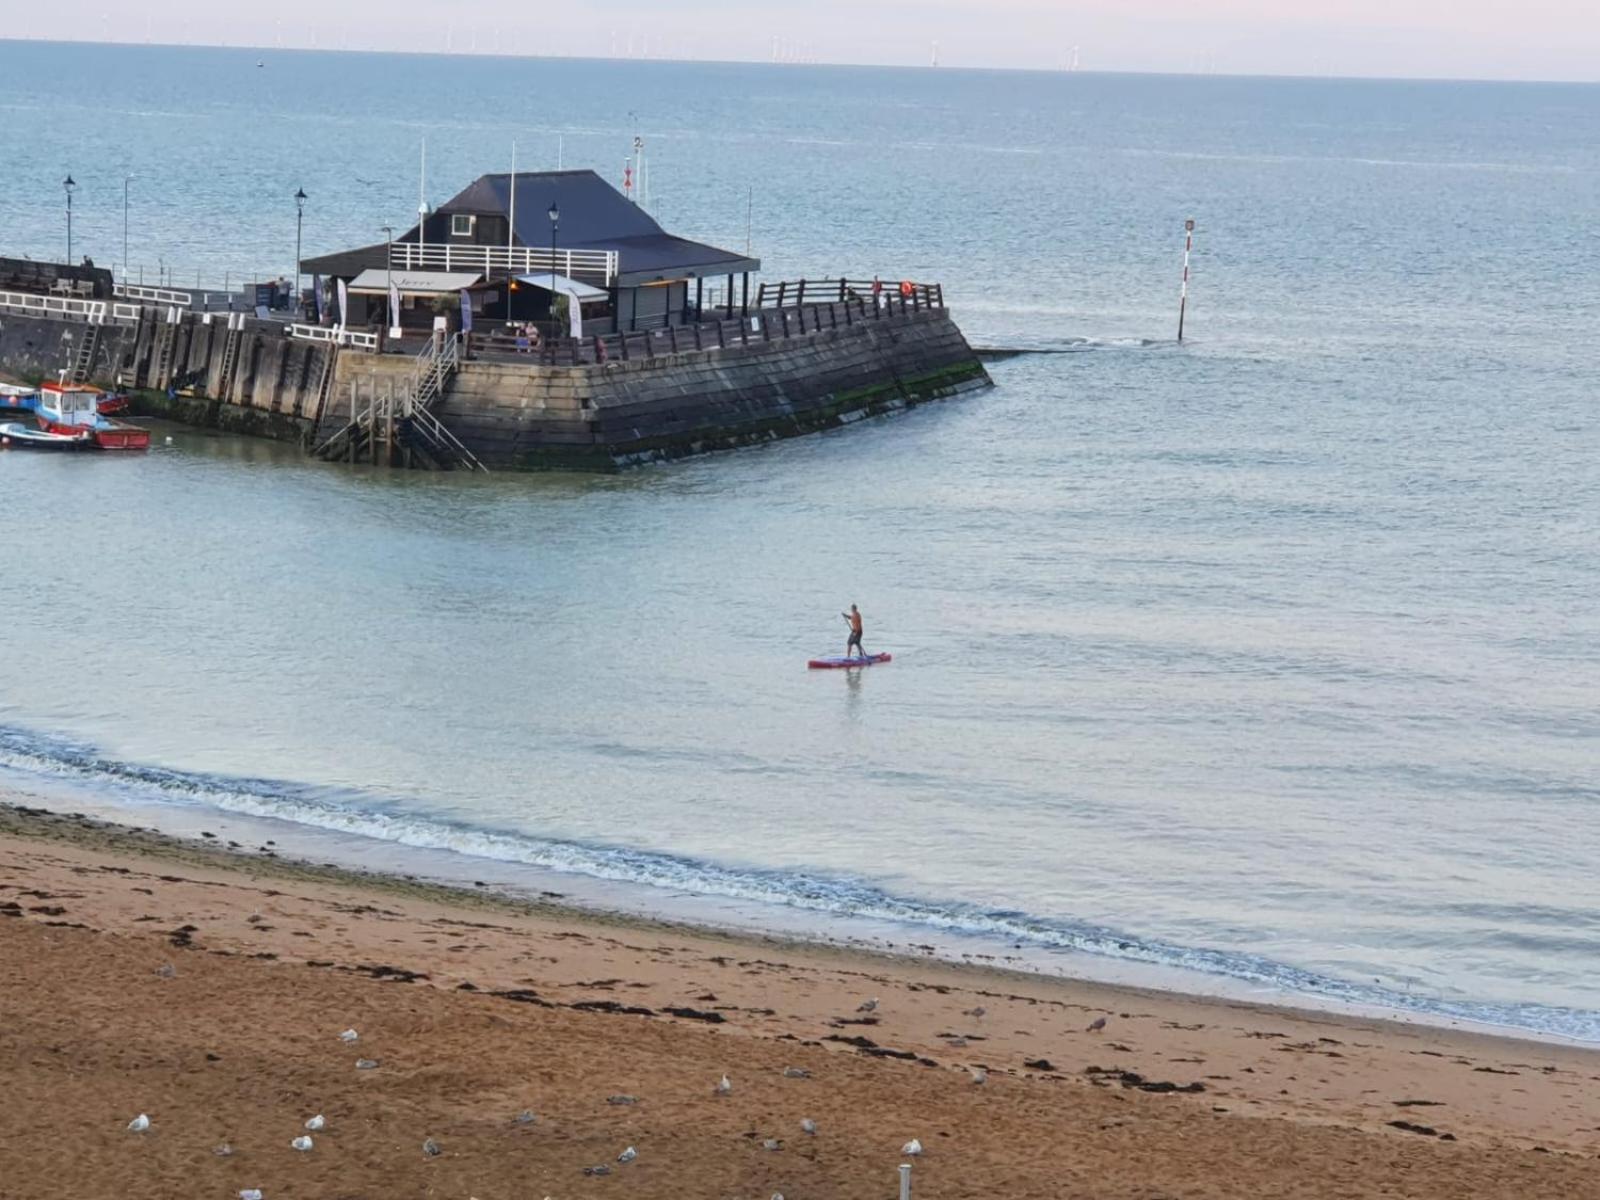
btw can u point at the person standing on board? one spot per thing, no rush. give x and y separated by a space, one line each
853 619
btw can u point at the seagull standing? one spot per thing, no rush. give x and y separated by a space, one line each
868 1005
139 1124
316 1122
1096 1025
301 1143
348 1036
628 1155
979 1075
912 1148
975 1013
724 1087
431 1148
809 1126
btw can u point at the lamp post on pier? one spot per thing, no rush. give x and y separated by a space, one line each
126 180
68 183
300 198
388 275
555 223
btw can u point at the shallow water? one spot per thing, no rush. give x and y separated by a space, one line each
1274 655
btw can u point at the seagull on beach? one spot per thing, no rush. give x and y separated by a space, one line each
912 1148
525 1117
975 1013
348 1036
1096 1025
628 1155
431 1148
868 1005
724 1087
807 1125
139 1124
166 971
249 1194
772 1144
796 1073
301 1143
316 1122
979 1075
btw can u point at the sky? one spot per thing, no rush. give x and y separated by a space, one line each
1476 39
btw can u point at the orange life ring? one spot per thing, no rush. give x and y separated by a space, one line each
906 287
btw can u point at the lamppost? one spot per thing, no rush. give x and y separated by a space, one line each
299 224
126 180
69 184
555 223
388 275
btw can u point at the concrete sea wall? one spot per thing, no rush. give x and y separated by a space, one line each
247 376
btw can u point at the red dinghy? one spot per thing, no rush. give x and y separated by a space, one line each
839 663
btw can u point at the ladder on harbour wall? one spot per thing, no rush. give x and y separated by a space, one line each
83 362
166 350
230 361
324 387
396 425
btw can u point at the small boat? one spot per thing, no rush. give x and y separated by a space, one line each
15 435
18 398
843 662
75 408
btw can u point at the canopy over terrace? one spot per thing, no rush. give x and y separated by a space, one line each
376 281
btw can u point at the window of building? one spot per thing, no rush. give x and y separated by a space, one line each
461 225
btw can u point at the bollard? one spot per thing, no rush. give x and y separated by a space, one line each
905 1181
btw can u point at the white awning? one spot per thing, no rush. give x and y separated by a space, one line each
569 287
374 281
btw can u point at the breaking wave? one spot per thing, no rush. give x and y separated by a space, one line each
838 896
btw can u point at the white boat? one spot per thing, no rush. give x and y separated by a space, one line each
15 435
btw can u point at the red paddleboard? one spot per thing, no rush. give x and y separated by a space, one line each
830 664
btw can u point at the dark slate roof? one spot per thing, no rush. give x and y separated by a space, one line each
594 216
347 264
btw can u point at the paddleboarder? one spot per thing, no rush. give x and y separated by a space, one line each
853 619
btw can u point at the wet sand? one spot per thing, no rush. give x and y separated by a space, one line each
208 988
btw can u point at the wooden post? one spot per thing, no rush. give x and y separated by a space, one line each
800 296
729 296
841 291
350 439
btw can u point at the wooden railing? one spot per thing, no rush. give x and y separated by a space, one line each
901 294
335 334
765 324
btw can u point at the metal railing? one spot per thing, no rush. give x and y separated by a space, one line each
336 335
96 312
443 256
153 295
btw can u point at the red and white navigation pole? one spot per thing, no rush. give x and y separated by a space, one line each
1183 296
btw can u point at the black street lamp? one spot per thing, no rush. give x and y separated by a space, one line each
555 223
69 184
300 198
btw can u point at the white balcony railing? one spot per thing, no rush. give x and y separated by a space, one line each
600 265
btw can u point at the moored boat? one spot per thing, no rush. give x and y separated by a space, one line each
15 435
18 398
72 408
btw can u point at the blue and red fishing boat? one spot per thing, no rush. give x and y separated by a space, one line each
75 408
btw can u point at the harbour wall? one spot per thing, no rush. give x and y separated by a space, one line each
517 414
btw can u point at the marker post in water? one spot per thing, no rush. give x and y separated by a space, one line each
1183 295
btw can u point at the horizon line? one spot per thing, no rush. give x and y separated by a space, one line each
763 62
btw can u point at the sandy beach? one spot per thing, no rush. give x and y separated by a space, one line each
208 988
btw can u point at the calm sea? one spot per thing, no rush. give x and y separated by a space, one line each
1276 656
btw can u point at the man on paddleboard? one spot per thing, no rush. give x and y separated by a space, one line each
853 618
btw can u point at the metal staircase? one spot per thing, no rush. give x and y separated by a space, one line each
402 421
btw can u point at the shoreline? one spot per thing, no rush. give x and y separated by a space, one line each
103 913
365 857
